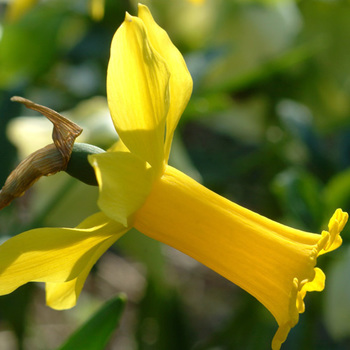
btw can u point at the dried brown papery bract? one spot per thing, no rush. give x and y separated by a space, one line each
45 161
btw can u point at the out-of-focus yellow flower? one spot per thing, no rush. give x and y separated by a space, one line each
148 87
97 9
197 2
17 8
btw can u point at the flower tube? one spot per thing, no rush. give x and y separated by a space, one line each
272 262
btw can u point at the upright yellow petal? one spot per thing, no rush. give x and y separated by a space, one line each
124 181
273 262
138 91
180 79
53 254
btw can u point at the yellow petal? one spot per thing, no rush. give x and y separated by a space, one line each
180 79
124 183
64 295
336 224
118 146
53 254
273 262
138 91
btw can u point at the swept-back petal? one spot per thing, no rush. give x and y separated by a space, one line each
138 91
124 181
180 79
64 295
53 254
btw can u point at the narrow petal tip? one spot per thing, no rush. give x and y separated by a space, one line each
128 17
142 7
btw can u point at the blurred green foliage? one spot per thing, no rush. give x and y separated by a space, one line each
268 127
95 333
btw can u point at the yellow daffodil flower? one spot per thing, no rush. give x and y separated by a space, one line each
97 9
17 8
148 87
197 2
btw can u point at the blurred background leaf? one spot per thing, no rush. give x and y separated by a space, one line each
95 333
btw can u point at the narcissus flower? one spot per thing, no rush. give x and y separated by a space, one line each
148 87
18 8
